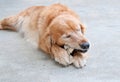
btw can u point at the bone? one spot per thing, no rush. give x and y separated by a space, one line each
68 49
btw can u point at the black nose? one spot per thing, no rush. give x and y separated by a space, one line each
85 45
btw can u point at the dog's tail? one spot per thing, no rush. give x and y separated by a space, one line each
0 25
6 24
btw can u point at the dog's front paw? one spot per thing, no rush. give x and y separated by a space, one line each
63 59
79 61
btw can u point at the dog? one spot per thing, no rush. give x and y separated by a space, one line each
55 29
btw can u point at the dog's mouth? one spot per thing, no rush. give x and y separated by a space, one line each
72 51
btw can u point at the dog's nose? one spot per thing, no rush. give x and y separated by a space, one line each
85 45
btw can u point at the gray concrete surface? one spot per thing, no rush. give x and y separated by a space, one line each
20 62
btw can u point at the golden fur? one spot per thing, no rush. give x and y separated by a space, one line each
47 27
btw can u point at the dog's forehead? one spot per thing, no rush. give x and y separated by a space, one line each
71 30
75 28
74 25
73 33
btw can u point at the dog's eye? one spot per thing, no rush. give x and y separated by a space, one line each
68 36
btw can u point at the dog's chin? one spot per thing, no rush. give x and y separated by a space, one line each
83 51
72 51
78 51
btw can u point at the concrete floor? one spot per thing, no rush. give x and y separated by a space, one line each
20 62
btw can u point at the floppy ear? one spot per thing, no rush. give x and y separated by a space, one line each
82 28
45 42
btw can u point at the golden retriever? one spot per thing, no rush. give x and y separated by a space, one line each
55 29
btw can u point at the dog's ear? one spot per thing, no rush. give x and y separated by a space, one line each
82 28
45 42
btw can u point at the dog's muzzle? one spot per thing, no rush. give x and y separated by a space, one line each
83 48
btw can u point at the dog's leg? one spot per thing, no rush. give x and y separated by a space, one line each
8 23
61 56
79 60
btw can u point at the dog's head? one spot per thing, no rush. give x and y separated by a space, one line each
68 33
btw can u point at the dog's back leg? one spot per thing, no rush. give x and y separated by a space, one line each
9 23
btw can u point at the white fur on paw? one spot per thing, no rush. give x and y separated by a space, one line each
79 62
65 60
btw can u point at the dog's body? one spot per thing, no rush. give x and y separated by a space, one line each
55 29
